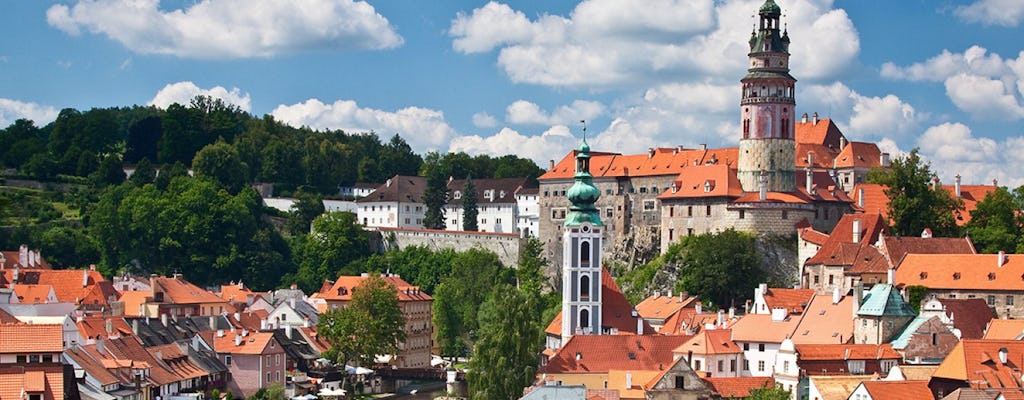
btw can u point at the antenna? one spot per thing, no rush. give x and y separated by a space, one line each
584 122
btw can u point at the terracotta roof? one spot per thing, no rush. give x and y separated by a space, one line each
984 394
177 361
602 353
962 271
825 322
897 390
31 338
235 292
616 312
130 348
688 322
823 155
829 352
813 236
501 190
970 316
180 291
32 294
710 342
869 260
403 189
859 155
92 367
341 290
824 132
794 300
917 372
7 318
875 199
977 363
11 259
839 387
67 283
705 181
133 299
658 162
253 343
971 195
93 327
737 387
797 197
894 248
555 327
761 328
318 342
47 381
839 248
1005 329
658 306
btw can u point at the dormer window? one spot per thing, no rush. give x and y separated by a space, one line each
991 276
457 195
924 275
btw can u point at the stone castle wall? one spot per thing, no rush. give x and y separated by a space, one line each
775 156
505 245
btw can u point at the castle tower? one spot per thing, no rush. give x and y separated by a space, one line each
767 108
581 254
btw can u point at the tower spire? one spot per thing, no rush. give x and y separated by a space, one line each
583 194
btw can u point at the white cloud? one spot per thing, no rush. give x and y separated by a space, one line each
610 43
974 60
695 97
484 120
861 117
223 29
887 145
992 12
983 97
552 144
183 93
953 149
13 110
527 113
423 128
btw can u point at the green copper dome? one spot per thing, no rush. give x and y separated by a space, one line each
583 194
769 7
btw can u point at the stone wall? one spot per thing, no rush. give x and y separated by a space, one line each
774 156
714 214
505 245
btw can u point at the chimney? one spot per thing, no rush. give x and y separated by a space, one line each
551 164
629 380
698 308
650 152
763 185
135 326
884 159
957 186
163 318
803 118
23 255
92 267
779 314
732 313
858 296
305 322
856 230
179 277
294 287
808 180
721 317
926 233
703 147
836 297
238 317
288 331
1001 260
85 278
291 302
153 283
16 273
263 324
1003 352
815 120
890 276
842 143
238 340
99 345
220 333
995 182
108 325
860 198
639 323
213 322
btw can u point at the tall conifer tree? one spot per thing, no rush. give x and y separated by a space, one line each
469 209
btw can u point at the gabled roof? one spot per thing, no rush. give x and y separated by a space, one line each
839 248
822 155
761 328
400 188
34 294
793 300
836 352
31 338
710 342
970 195
926 324
658 306
1005 329
875 199
868 260
133 299
897 390
838 387
737 387
177 361
45 381
970 316
962 271
717 180
253 343
884 300
96 326
236 293
822 132
688 321
179 291
342 289
859 155
894 248
130 348
977 363
825 322
315 340
92 367
656 162
70 285
915 372
591 354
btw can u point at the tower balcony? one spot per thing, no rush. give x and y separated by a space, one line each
767 99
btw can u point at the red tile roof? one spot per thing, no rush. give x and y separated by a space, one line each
710 342
875 199
31 338
130 348
705 181
658 162
970 316
601 353
253 343
825 322
7 318
70 285
823 132
341 290
962 271
32 294
859 155
823 155
686 321
737 387
894 248
93 367
839 249
977 363
11 259
813 236
897 390
761 328
93 327
829 352
180 291
794 300
868 261
236 293
47 381
658 306
1005 329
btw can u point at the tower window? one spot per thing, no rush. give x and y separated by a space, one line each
585 254
584 318
584 287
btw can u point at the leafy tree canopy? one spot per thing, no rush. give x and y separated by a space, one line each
914 204
372 324
719 268
997 223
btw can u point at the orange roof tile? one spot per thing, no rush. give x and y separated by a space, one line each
705 181
971 195
12 258
825 322
710 342
823 132
826 352
962 271
93 327
47 381
31 338
657 162
859 155
92 367
253 343
661 307
133 299
738 387
869 260
70 285
897 390
32 294
35 381
794 300
761 328
797 197
341 290
813 236
875 200
688 322
839 248
235 292
822 155
180 291
839 387
977 362
314 339
1005 329
7 318
603 353
894 248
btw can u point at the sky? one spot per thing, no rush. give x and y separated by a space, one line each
498 78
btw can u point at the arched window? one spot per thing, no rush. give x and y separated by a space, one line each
585 254
584 287
584 318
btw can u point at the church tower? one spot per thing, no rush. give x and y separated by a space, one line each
581 254
767 108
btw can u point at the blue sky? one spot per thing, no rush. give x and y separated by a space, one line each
517 77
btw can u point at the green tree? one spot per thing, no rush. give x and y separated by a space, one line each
220 162
418 265
913 203
459 295
167 174
769 393
144 173
511 336
371 324
336 241
719 268
19 142
68 248
434 198
996 224
397 158
273 392
143 138
469 210
307 207
110 171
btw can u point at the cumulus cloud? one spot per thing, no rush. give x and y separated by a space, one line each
484 120
1007 13
606 43
224 29
13 110
184 92
983 97
423 128
860 116
975 60
527 113
552 144
953 149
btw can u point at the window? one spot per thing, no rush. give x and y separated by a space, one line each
742 214
760 347
227 360
648 205
268 362
721 365
991 300
689 211
1009 299
671 211
785 214
277 359
671 234
709 210
746 365
680 382
732 365
268 377
35 397
760 366
831 279
278 376
497 220
746 346
584 287
855 366
47 358
689 231
935 339
33 358
785 367
585 254
696 365
816 279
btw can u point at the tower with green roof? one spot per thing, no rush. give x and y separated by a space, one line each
581 253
